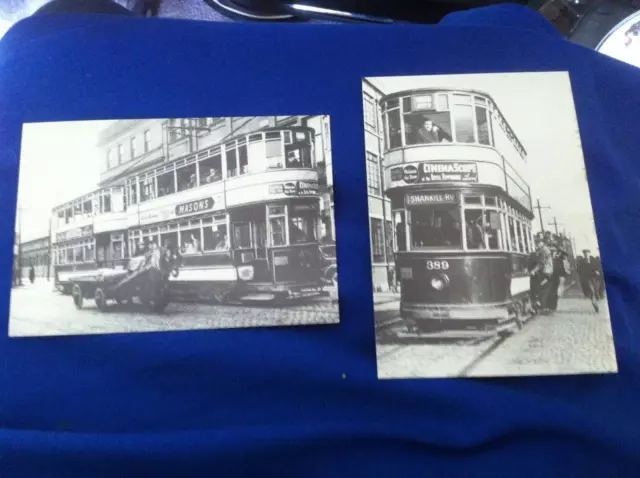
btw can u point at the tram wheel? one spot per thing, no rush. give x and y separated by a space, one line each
78 298
101 299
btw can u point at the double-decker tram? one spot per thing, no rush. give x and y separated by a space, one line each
454 172
242 216
88 233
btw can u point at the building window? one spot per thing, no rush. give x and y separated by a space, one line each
120 150
133 147
369 113
111 159
147 140
174 132
373 174
377 239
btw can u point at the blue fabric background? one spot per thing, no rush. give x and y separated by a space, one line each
274 402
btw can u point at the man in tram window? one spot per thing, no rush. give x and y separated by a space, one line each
212 176
475 234
427 133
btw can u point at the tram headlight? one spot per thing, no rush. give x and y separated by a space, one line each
245 272
440 282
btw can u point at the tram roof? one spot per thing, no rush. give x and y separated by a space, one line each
402 93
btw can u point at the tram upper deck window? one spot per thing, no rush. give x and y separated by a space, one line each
166 183
431 118
426 119
147 189
211 168
298 153
186 176
436 226
274 150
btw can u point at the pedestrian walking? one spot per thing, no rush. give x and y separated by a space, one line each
391 279
32 274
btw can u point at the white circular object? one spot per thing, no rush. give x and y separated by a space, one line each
623 41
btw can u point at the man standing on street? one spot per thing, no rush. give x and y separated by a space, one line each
543 271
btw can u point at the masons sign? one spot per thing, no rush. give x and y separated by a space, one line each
414 199
436 171
295 188
192 207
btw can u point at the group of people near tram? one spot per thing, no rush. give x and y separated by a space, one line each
549 268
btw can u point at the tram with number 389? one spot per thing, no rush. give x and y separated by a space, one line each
455 175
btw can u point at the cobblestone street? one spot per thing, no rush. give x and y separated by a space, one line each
572 340
38 310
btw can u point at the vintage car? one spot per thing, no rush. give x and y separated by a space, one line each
145 278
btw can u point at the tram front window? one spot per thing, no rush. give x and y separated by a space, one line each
301 229
474 229
436 226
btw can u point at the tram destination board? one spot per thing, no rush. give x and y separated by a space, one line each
469 279
230 231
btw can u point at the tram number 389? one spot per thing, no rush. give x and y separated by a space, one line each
437 265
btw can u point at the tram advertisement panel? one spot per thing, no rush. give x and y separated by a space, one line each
172 223
473 237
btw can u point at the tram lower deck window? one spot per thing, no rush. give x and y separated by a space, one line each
436 226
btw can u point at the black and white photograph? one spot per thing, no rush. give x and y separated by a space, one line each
174 224
484 254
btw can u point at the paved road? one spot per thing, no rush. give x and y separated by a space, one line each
572 340
38 310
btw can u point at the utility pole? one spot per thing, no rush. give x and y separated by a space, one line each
540 208
555 224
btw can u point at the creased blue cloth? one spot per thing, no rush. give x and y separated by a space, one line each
305 401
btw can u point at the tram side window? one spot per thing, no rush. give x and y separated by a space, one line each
117 249
190 241
463 117
482 120
243 158
274 151
512 234
89 252
211 169
302 228
169 240
106 202
186 177
427 128
133 193
147 189
77 254
87 209
492 228
214 237
436 226
394 132
166 184
232 162
474 229
242 235
61 218
401 230
298 155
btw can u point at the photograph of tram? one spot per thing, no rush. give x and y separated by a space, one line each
492 265
173 224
